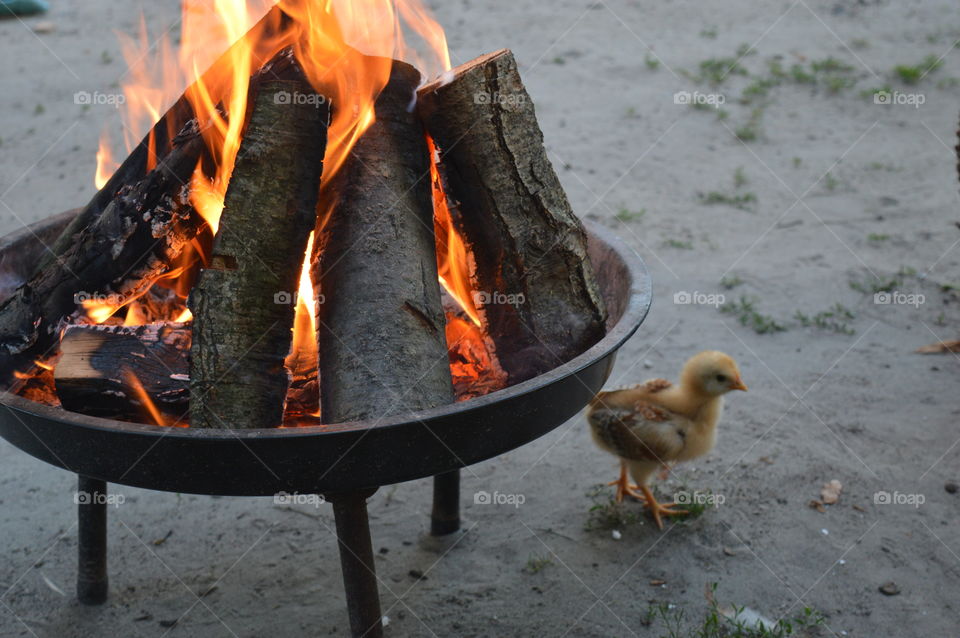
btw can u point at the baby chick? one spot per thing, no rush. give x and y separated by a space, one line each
657 422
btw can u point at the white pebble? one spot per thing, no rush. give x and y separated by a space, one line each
824 531
616 535
647 363
386 620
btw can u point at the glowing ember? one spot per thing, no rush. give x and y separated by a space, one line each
474 368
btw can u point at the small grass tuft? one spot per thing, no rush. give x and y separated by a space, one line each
743 201
652 62
730 282
830 65
536 564
750 131
913 74
745 312
626 215
605 513
671 621
717 70
801 76
888 283
833 320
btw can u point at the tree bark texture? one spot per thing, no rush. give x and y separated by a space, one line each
243 305
381 326
533 279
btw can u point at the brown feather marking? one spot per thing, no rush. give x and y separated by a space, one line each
651 412
656 385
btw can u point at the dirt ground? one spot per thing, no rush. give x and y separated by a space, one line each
813 194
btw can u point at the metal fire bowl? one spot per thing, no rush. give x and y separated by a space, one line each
331 458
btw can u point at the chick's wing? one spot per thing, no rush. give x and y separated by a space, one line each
646 432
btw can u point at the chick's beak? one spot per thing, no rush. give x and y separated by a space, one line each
738 384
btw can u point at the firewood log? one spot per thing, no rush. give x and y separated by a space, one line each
136 238
381 326
243 304
108 370
534 283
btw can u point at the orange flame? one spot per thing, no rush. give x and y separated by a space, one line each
105 162
330 39
304 353
144 398
452 259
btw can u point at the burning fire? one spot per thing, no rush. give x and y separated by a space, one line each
345 48
452 259
331 40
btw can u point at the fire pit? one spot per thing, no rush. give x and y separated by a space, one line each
345 462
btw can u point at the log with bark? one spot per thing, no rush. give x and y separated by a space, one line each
535 285
138 236
243 304
106 371
381 326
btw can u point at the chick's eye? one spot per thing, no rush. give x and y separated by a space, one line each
721 378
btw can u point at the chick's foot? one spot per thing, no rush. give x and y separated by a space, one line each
659 509
624 486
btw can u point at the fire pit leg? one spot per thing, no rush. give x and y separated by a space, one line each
445 518
356 560
92 540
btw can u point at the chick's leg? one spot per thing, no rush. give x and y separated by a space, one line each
642 471
658 509
624 486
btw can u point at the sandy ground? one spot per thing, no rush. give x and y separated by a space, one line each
834 189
